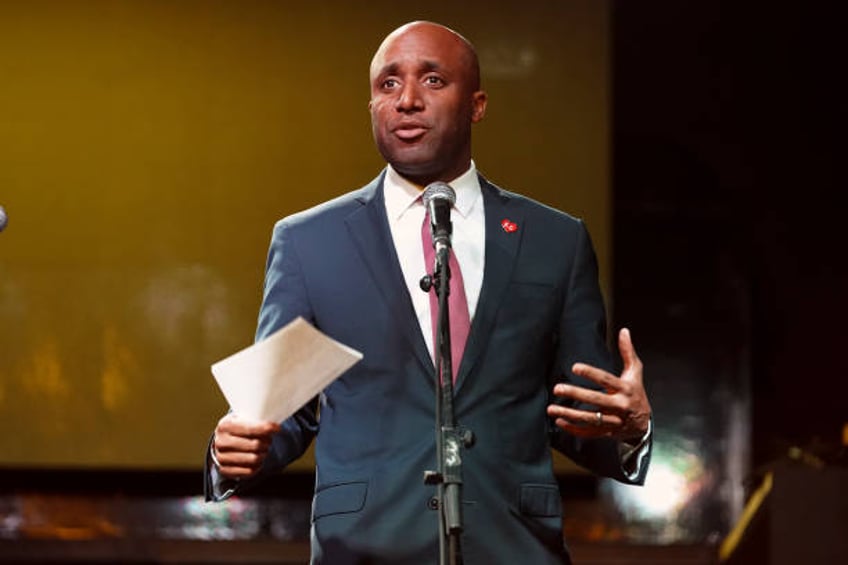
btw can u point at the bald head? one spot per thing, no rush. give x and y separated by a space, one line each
436 33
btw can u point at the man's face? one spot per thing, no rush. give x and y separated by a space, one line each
424 98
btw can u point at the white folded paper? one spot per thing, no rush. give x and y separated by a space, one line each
272 379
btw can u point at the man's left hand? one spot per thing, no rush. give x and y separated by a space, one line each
622 412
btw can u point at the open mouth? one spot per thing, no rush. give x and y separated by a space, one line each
410 133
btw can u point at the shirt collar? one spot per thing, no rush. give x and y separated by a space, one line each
401 195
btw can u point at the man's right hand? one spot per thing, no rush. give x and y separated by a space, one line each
240 446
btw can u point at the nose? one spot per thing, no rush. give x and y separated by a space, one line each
409 98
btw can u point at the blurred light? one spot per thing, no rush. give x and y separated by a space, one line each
664 493
676 477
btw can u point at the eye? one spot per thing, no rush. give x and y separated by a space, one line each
389 83
434 80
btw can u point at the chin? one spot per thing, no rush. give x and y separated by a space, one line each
412 170
410 162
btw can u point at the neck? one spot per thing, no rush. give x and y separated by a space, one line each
422 180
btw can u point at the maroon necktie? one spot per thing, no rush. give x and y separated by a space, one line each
460 322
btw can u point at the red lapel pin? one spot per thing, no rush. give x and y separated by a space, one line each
509 226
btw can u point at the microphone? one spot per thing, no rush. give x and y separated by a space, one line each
439 197
4 219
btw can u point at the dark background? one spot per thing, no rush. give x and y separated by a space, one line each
729 222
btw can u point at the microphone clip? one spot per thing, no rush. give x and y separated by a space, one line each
428 281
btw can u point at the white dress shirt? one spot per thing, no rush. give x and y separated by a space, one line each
406 211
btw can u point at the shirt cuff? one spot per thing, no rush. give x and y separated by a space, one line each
222 487
632 455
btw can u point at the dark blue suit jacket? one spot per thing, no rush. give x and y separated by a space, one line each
540 310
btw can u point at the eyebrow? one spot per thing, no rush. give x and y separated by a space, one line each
392 68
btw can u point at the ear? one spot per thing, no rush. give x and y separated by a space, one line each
370 104
478 106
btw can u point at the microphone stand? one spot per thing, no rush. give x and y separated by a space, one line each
449 438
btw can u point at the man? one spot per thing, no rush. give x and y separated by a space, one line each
535 372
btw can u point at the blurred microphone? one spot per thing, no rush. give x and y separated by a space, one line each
4 219
439 197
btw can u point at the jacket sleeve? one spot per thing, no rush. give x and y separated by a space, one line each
582 338
285 297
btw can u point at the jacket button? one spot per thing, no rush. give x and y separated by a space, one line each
433 503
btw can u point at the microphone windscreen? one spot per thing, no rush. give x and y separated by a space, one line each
438 190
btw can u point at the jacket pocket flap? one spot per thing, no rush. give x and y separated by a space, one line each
339 499
540 500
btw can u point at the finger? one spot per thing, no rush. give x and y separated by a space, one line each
587 395
237 470
609 382
239 459
237 465
253 429
582 431
231 472
227 442
625 347
585 418
237 426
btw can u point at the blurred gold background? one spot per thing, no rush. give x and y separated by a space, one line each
147 148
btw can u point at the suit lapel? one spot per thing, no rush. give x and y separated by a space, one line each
501 251
369 229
